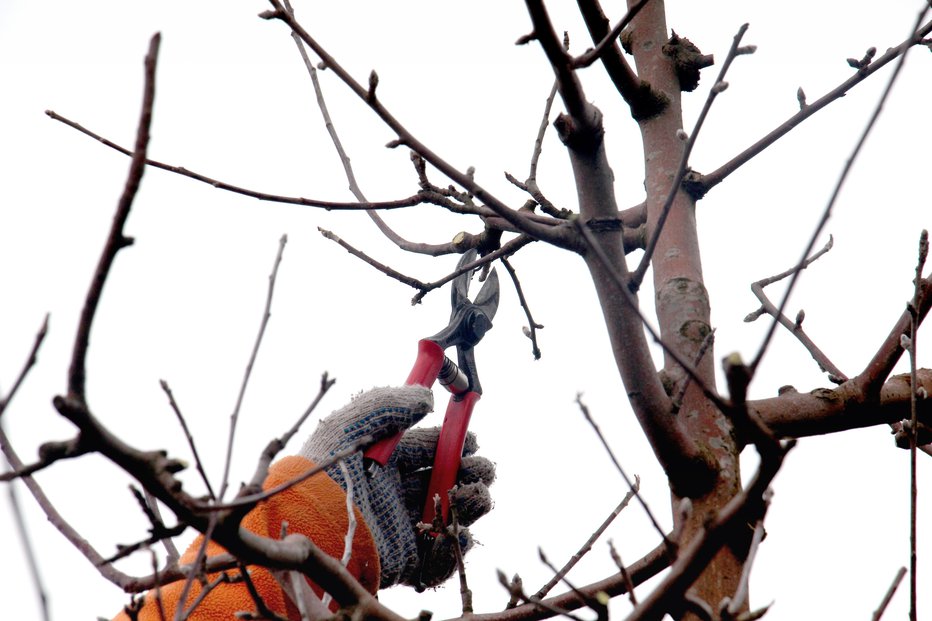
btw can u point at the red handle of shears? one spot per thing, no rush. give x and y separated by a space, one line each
449 454
424 373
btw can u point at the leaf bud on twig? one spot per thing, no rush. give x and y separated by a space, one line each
373 84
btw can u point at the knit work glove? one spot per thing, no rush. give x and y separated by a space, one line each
391 499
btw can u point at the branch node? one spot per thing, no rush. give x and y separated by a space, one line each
687 59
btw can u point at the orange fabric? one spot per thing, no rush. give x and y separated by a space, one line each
315 508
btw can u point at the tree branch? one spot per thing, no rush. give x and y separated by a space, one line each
830 410
706 182
115 240
643 101
796 327
405 137
849 164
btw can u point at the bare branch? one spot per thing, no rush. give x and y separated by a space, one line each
416 199
844 407
31 360
116 240
796 327
914 423
56 519
533 326
640 571
849 164
28 549
871 380
424 288
709 181
248 498
901 572
676 452
633 487
629 586
405 137
345 160
234 417
568 84
642 99
586 547
187 434
749 504
608 41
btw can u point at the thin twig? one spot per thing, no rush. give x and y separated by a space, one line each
796 326
593 54
170 549
405 137
629 584
30 362
712 179
59 522
200 558
426 287
633 487
533 326
276 445
351 524
901 572
827 212
30 553
914 426
359 254
586 547
643 101
419 198
568 84
116 240
547 607
465 591
719 86
187 434
592 602
251 499
234 417
345 159
77 368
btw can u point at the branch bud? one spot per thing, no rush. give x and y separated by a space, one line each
801 98
373 84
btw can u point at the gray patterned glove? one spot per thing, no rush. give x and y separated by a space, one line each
391 500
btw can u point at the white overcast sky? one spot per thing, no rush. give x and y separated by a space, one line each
183 304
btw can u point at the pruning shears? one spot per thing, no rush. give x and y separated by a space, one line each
469 321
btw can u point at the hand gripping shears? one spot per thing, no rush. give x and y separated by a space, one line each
469 321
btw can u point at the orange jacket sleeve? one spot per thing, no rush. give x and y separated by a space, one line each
315 508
